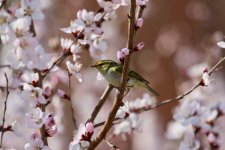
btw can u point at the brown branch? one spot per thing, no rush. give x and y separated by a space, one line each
5 66
70 100
100 103
5 107
120 94
8 128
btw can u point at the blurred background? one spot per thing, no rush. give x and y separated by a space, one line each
180 42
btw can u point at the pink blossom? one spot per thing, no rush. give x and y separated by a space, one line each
122 54
62 94
139 22
47 92
139 46
50 125
141 2
90 127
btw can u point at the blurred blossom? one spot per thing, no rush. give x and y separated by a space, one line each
221 44
190 142
74 69
99 76
83 137
198 10
29 77
16 128
30 8
175 130
36 143
36 118
129 112
206 79
50 126
132 122
139 46
186 57
196 70
168 41
109 6
141 2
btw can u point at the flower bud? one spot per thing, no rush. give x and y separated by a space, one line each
139 23
139 47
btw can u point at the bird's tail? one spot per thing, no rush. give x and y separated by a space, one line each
151 89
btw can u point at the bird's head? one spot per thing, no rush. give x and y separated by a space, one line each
104 65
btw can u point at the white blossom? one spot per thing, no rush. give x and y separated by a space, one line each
74 69
221 44
30 8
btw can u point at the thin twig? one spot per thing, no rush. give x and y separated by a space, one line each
120 94
180 97
70 100
100 103
60 59
5 107
5 66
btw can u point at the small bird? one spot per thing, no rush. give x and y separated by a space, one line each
112 72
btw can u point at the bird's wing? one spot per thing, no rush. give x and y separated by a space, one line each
137 76
131 74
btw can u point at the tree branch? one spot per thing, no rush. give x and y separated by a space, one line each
70 100
100 103
5 66
5 108
120 94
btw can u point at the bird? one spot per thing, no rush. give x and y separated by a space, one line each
112 72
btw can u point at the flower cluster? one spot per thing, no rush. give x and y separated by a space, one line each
36 143
130 111
28 60
194 118
83 136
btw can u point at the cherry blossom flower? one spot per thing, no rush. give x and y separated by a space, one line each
50 126
122 54
221 44
34 95
21 26
30 8
206 78
62 94
190 142
139 23
109 6
126 126
74 69
36 143
139 47
88 32
175 130
29 77
141 2
83 136
36 118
